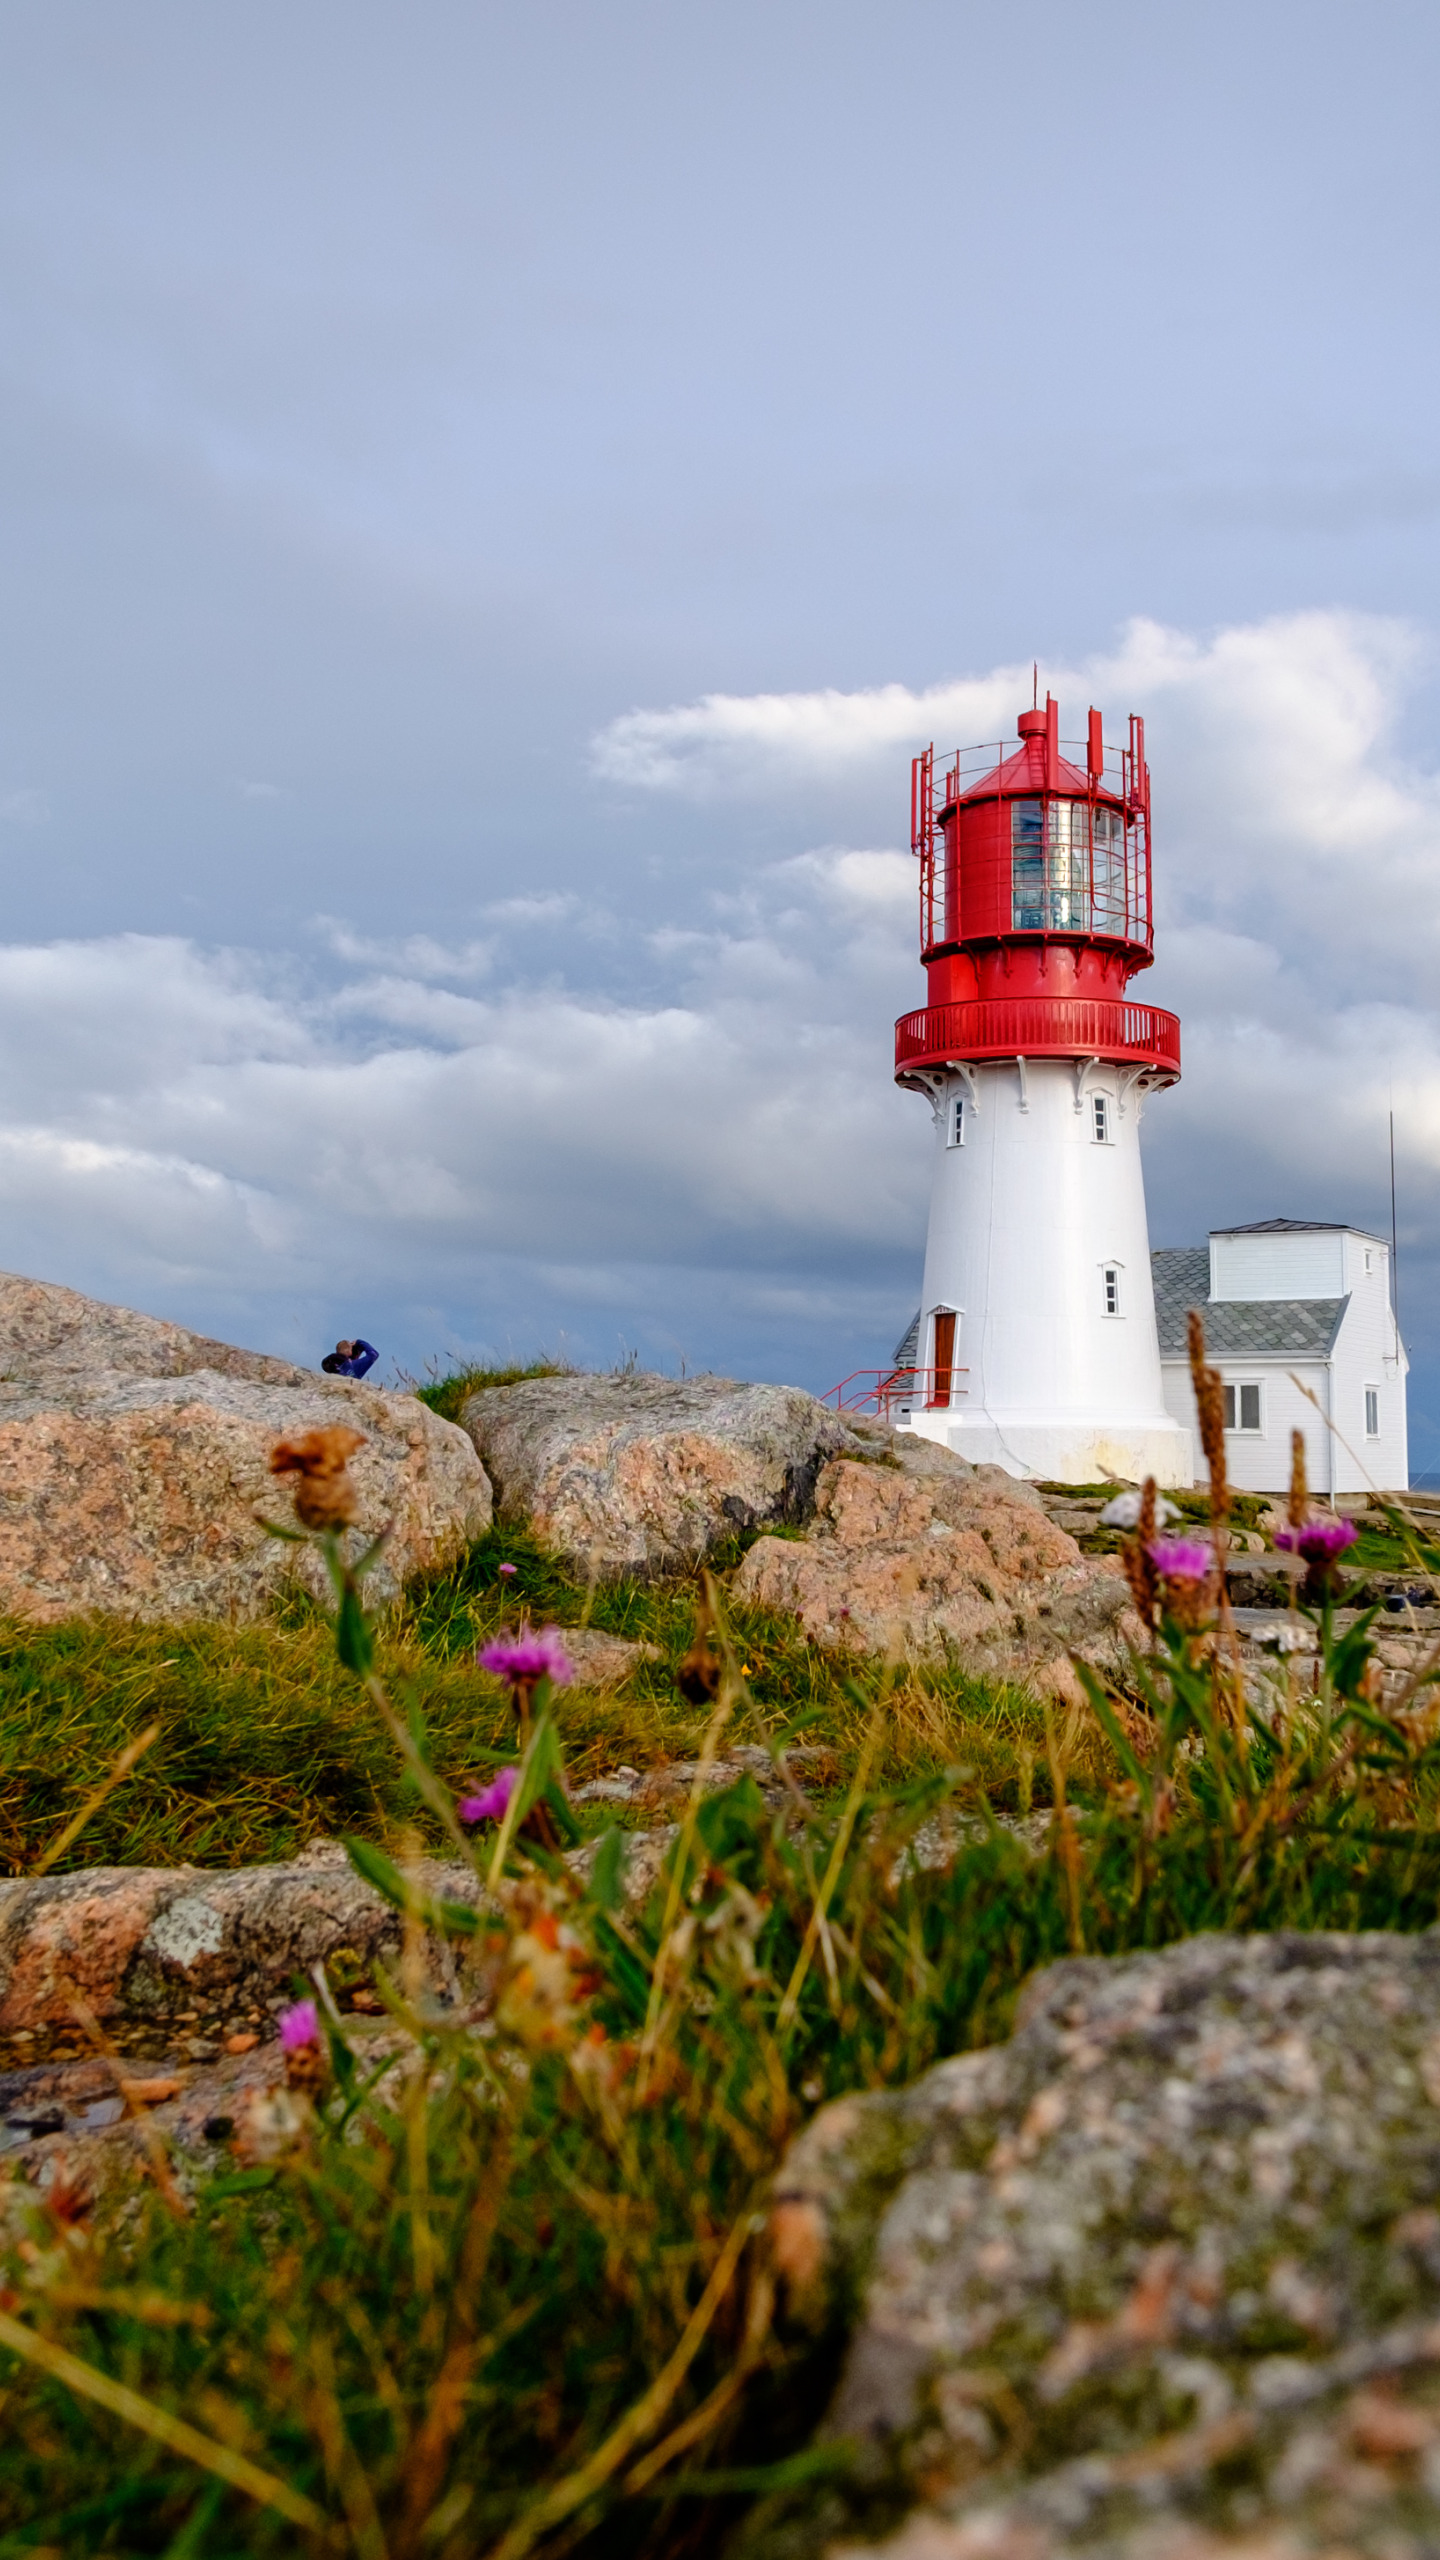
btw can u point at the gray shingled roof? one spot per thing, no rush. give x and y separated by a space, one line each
1298 1227
907 1349
1237 1328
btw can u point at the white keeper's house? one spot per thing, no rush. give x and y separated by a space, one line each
1292 1300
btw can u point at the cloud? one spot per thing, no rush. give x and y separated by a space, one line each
717 1155
1279 787
753 743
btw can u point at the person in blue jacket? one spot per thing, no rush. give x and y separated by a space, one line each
350 1359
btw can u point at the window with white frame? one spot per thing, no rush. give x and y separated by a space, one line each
955 1121
1100 1117
1242 1405
1369 1259
1110 1283
1372 1413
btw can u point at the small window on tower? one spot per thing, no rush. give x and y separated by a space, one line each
955 1133
1100 1106
1111 1278
1372 1413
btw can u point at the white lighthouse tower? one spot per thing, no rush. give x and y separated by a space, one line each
1037 1346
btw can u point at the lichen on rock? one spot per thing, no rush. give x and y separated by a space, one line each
135 1476
935 1563
1161 2275
644 1474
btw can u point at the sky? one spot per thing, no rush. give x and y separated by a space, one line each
492 498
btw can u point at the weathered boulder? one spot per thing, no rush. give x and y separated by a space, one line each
646 1474
50 1335
940 1563
602 1661
1157 2280
159 1942
134 1461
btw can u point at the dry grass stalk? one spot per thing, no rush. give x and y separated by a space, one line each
1298 1508
1139 1564
1210 1405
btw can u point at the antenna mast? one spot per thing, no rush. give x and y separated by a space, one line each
1394 1238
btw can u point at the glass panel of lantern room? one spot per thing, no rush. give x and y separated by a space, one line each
1109 871
1068 867
1027 865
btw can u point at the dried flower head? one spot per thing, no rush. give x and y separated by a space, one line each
273 2126
1297 1510
1137 1560
1210 1406
550 1969
325 1498
492 1802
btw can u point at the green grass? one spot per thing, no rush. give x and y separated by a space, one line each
450 2318
446 1396
511 2295
266 1742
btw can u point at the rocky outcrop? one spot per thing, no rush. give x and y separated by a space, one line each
165 1949
99 2122
53 1336
646 1474
940 1562
158 1943
1162 2271
134 1462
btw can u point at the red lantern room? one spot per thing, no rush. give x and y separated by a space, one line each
1035 904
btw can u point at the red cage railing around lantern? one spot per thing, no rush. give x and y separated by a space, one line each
938 784
1039 1027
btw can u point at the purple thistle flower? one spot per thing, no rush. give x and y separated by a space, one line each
526 1658
300 2026
507 1568
1181 1559
1320 1541
492 1803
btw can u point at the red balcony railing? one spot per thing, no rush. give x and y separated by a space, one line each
1040 1027
884 1391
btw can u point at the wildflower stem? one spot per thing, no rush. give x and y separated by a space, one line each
679 1866
638 2422
848 1819
160 2425
119 1770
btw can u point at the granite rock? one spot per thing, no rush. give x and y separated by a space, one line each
937 1564
54 1336
165 1944
1157 2280
157 1942
134 1467
645 1474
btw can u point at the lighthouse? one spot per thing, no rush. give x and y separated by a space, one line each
1036 1347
